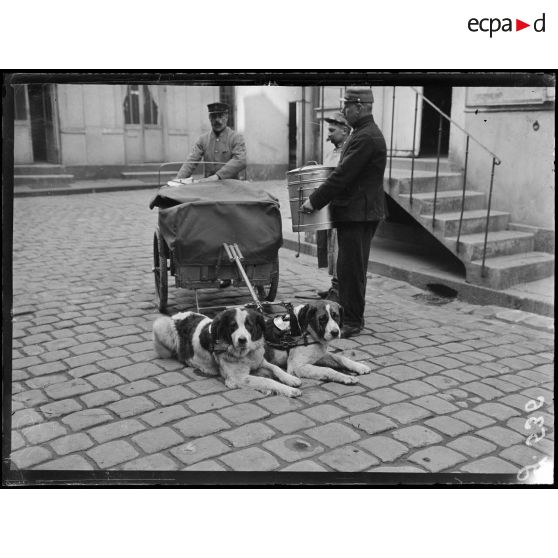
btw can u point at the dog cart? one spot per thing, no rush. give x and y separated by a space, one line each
216 234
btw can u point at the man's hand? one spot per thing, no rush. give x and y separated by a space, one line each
307 207
179 182
211 178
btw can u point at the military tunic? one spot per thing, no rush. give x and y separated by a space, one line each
226 155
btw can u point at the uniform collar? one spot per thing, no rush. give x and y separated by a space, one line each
362 121
223 134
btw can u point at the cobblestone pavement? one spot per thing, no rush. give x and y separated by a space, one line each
448 391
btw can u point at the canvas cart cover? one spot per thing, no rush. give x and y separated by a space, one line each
196 219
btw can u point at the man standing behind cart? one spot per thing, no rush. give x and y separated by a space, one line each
222 149
358 204
338 133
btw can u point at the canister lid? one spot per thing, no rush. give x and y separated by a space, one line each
307 168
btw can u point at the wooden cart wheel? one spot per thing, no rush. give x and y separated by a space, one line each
270 295
160 270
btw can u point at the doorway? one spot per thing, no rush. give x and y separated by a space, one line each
143 132
441 97
292 136
43 125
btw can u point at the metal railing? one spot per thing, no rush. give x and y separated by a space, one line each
495 162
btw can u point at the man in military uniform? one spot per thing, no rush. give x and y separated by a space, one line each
357 200
222 149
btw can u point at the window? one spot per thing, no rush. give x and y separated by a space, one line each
139 106
131 105
20 102
226 95
150 111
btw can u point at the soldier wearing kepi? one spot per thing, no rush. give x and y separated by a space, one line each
338 131
222 148
357 200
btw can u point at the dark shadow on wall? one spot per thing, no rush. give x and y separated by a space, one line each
267 138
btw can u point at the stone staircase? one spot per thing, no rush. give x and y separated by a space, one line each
41 175
511 257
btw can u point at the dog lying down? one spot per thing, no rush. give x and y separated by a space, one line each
320 322
232 344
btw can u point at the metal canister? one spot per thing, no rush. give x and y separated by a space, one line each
301 183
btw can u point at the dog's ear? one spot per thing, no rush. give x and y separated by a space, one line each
217 327
341 314
305 316
260 325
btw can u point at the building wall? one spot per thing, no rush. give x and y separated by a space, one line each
186 117
92 131
517 124
23 149
262 114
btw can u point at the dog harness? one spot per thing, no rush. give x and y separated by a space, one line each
288 333
219 347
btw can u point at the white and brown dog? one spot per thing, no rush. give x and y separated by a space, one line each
186 336
320 322
232 344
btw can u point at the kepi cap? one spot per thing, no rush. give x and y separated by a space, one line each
358 95
217 108
337 118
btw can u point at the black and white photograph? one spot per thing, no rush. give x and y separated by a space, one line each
228 278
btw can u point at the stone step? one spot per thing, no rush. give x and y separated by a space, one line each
474 221
420 163
34 180
422 182
505 271
499 243
38 169
447 201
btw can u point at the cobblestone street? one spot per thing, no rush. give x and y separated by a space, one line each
448 390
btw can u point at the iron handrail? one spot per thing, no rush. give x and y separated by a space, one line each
488 217
495 161
391 134
498 160
463 194
413 151
438 151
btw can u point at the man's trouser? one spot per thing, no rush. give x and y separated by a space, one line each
352 263
326 242
332 255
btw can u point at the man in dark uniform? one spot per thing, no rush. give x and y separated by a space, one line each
356 195
222 148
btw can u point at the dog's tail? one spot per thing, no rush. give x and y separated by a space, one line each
165 337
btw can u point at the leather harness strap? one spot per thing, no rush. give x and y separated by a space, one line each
292 337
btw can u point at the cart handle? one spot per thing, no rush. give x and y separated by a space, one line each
235 255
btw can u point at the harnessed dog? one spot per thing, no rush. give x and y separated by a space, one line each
307 355
232 345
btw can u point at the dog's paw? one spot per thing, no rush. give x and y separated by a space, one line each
293 392
361 369
349 380
293 381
